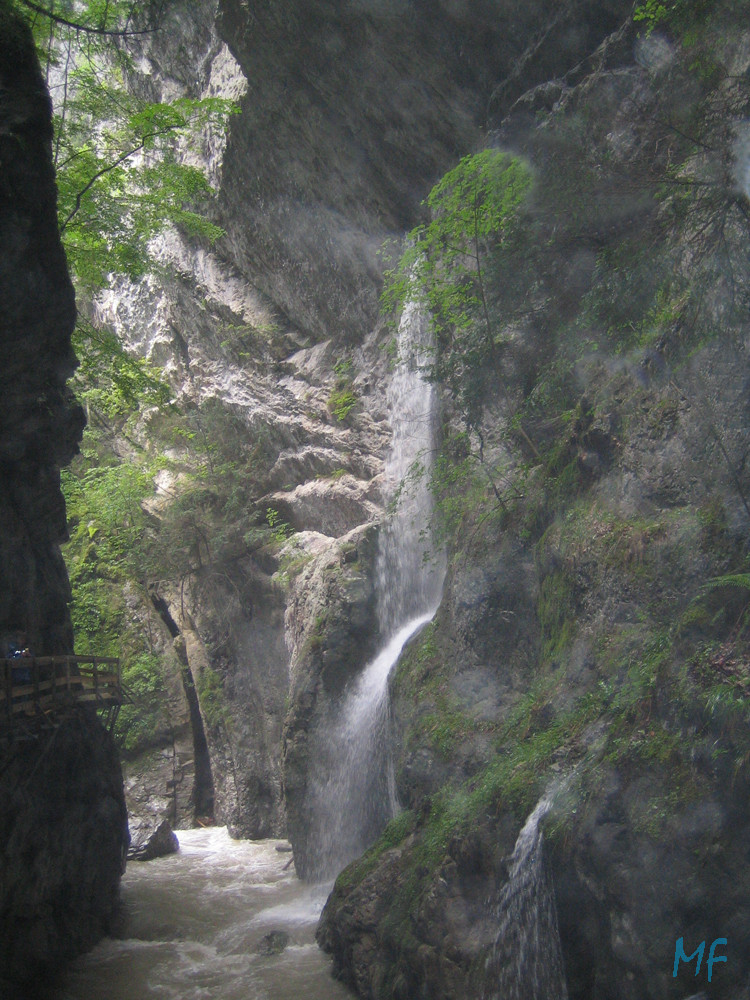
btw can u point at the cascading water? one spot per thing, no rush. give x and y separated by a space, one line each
526 959
409 584
354 796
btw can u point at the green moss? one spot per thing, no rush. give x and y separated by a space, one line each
712 517
395 832
343 397
211 698
444 729
420 670
556 610
290 566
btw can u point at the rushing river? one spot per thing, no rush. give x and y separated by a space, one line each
195 924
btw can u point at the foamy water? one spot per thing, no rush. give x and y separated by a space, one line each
195 922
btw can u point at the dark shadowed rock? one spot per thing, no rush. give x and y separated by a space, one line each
273 943
155 844
63 825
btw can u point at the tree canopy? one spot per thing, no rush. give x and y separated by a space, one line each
473 209
121 175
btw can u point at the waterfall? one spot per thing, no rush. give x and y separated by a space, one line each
354 794
526 959
409 585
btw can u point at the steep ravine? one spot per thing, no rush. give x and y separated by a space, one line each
346 119
583 641
63 826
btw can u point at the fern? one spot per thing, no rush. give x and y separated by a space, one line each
741 580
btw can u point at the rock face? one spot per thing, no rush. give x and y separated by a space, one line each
65 833
352 113
347 117
162 841
64 827
332 633
591 643
40 424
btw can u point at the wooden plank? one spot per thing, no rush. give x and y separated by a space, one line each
88 679
35 677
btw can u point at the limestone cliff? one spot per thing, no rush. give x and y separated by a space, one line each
348 114
594 621
63 819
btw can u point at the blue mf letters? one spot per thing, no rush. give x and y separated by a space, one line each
679 955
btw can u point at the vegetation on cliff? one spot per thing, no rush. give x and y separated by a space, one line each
123 177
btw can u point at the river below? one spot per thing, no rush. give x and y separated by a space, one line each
196 925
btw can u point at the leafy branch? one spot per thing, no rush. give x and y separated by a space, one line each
474 209
108 168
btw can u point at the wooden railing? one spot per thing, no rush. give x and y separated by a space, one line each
43 688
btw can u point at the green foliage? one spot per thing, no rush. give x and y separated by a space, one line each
93 19
473 209
211 698
120 182
740 580
120 175
213 514
280 530
142 717
105 512
678 14
110 554
341 402
556 609
109 379
343 397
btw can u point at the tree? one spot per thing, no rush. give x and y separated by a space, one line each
121 179
473 209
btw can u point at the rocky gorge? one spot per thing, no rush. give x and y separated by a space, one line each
591 491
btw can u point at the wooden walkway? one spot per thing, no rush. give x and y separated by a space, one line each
43 689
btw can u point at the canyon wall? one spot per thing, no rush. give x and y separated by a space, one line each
591 645
347 116
64 827
592 634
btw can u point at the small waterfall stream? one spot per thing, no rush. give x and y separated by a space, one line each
526 960
353 795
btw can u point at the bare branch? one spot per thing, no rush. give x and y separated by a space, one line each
88 29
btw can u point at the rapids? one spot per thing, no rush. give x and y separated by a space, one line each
194 923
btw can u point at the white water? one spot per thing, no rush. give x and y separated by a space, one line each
353 794
526 960
409 574
195 921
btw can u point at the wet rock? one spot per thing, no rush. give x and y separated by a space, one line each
331 631
63 824
154 844
273 943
